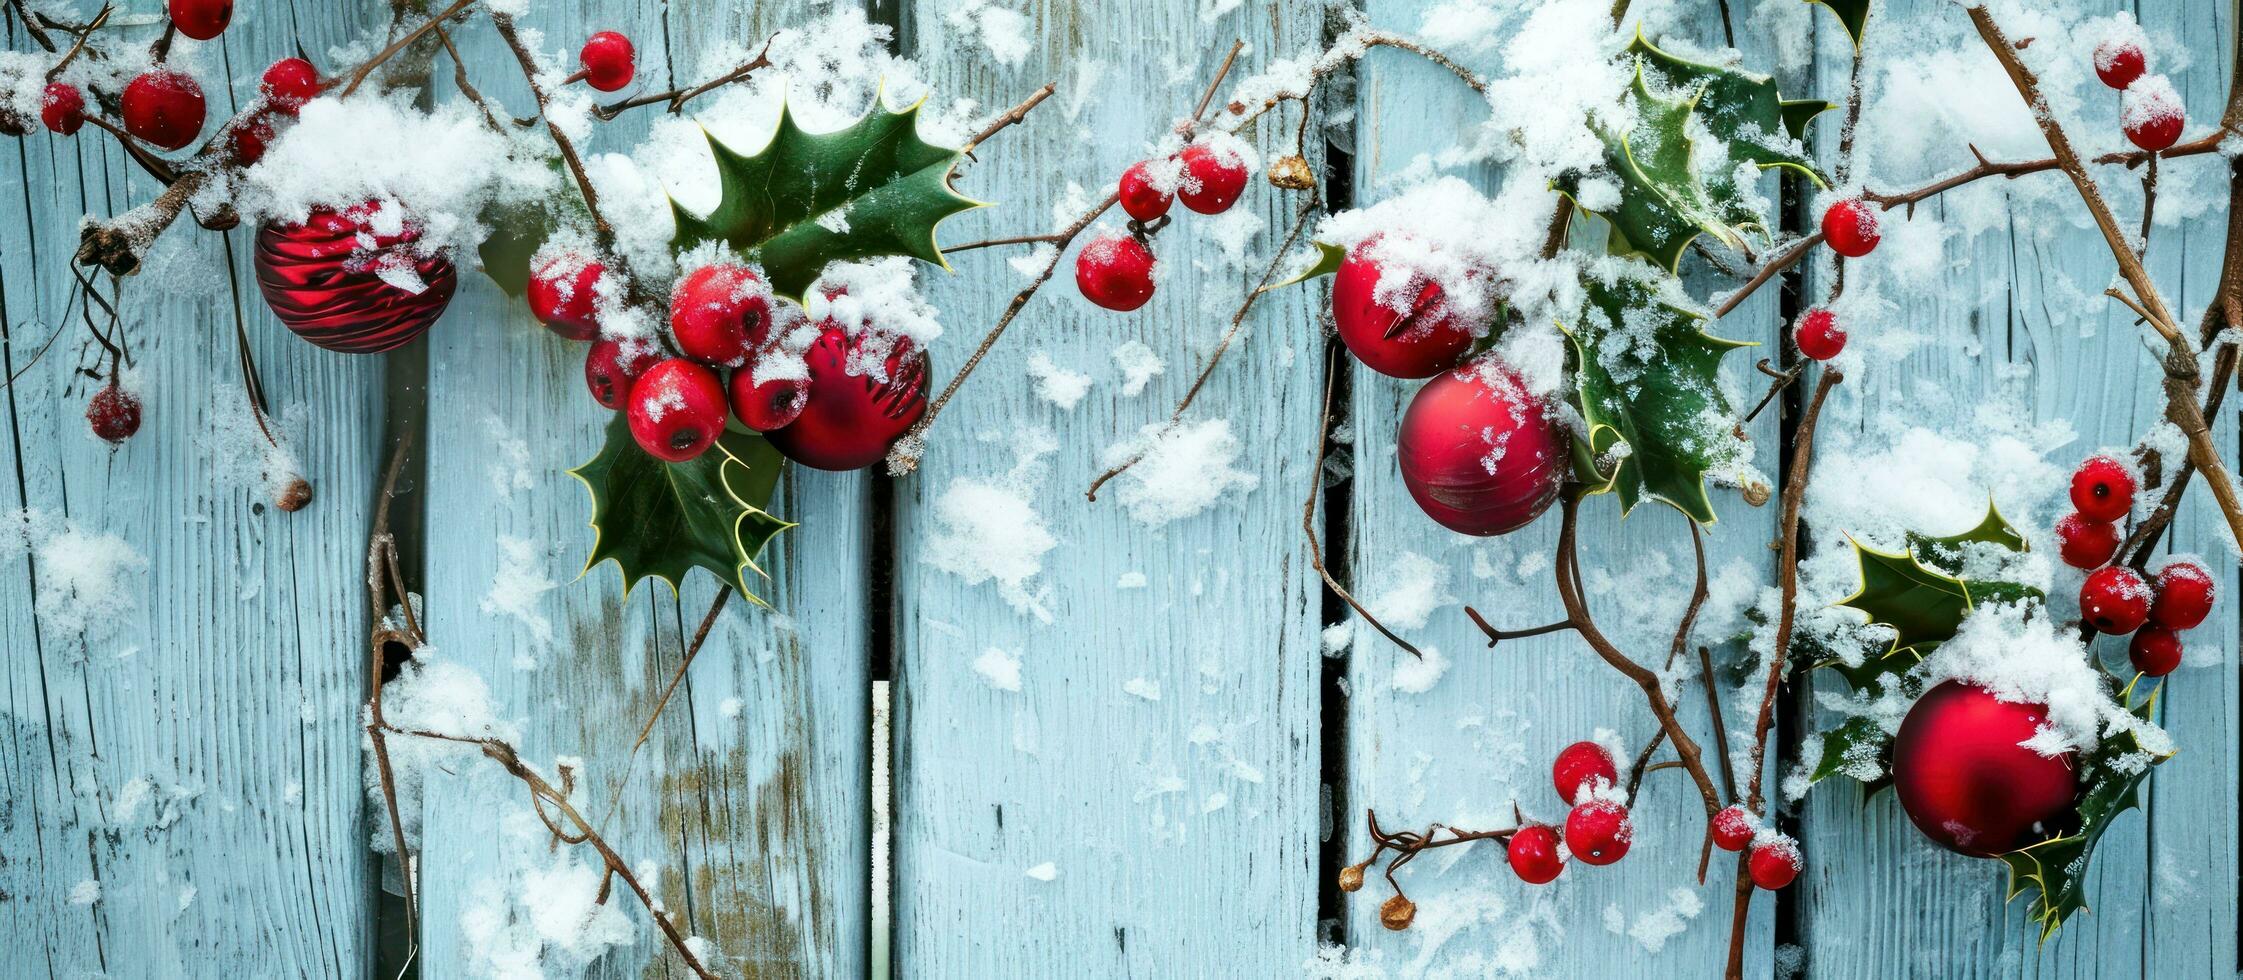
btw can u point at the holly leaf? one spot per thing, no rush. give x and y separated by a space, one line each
656 519
516 233
1853 15
1328 259
1858 749
870 189
2055 870
1946 553
1645 380
1742 109
1664 202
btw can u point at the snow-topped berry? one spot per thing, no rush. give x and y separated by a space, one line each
2103 488
1214 176
1818 335
201 19
1115 271
676 410
1774 864
609 62
1140 190
246 140
62 108
2154 650
1733 827
2119 61
2114 600
1599 832
1850 227
612 367
1580 766
2151 113
766 406
719 313
2184 595
1533 851
164 107
563 294
2084 543
289 83
114 413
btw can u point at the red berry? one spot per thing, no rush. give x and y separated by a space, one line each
1140 195
676 410
853 416
1598 832
114 413
2151 113
564 295
770 405
2114 600
1534 854
1818 335
62 108
246 141
2118 63
290 83
1213 178
608 61
1421 338
1479 453
164 107
2103 488
720 313
1850 226
201 19
2184 595
2154 650
1579 766
1115 271
613 367
1774 864
2084 543
1733 828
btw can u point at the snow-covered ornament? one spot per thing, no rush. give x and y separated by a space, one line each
1966 780
852 415
340 284
1479 453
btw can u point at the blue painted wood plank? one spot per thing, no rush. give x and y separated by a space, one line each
749 798
1176 825
212 717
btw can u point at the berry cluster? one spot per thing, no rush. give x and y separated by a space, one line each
1597 829
2150 110
2116 599
1115 269
1850 228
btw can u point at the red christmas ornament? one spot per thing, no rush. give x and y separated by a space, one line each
1965 780
326 287
1581 765
1480 455
1420 342
1533 851
852 417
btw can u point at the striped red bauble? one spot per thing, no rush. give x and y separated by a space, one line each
341 284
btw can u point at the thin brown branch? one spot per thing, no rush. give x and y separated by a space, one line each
1051 239
1012 117
604 232
692 650
676 99
1308 514
32 26
467 87
358 76
381 551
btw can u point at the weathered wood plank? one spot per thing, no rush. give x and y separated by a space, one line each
1181 829
1485 734
2015 314
157 750
750 795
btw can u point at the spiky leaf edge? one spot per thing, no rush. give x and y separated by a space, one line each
768 527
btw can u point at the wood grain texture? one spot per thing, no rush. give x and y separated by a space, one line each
2017 315
1182 830
1484 736
228 690
749 796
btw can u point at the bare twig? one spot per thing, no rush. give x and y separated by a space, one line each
605 232
1308 515
1011 117
1051 239
366 68
675 99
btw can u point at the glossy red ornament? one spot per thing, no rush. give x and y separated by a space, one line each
1774 865
201 19
563 295
1419 342
2184 595
1479 454
1533 852
164 107
1850 227
1599 832
1213 178
1733 828
1581 765
852 417
1965 780
325 287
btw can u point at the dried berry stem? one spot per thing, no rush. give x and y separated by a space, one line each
358 75
1012 117
675 99
1308 513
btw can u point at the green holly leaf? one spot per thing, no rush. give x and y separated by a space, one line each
871 189
1921 597
1945 553
2055 870
658 520
1664 202
1748 116
1328 259
1853 15
1858 749
516 233
1645 380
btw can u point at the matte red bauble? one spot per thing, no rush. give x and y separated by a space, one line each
1479 454
1418 342
1964 779
852 417
326 286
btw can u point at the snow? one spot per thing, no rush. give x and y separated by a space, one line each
1057 385
1185 469
1046 871
1138 365
89 582
86 892
2026 658
1000 669
1410 591
2151 99
1417 675
988 530
517 585
1142 688
1000 30
1131 580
